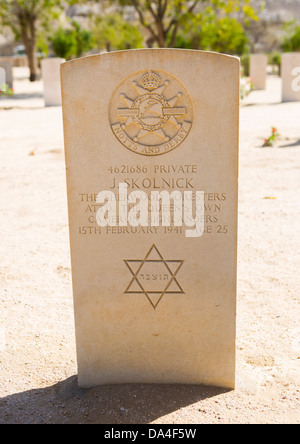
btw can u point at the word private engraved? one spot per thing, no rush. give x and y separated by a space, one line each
151 113
154 276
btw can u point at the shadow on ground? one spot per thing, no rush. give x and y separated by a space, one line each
292 145
65 403
26 96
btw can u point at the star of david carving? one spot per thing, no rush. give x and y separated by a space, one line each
154 276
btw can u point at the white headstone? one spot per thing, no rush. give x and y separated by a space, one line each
2 76
291 77
155 295
51 79
258 70
7 65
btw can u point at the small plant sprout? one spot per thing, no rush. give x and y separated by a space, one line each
271 141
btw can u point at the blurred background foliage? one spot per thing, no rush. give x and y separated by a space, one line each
291 40
72 42
74 28
112 31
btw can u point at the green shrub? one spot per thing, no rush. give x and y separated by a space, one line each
70 43
63 43
275 60
245 62
112 32
291 42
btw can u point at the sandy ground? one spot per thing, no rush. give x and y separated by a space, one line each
37 346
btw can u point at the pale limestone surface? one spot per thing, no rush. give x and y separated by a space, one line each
51 80
258 70
291 77
8 67
125 335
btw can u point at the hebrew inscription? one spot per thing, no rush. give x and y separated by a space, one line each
154 276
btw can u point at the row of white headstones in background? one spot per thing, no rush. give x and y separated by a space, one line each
52 80
290 72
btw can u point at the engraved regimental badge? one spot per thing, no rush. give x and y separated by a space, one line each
151 113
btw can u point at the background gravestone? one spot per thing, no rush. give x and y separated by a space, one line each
290 77
258 70
2 76
51 80
151 304
8 67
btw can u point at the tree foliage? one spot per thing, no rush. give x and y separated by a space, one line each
164 19
112 32
210 33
